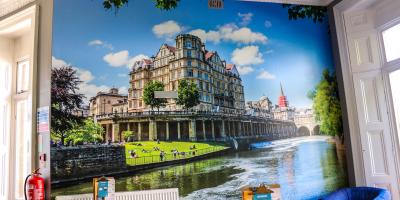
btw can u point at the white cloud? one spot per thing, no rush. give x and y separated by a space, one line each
231 33
117 59
123 90
247 55
244 70
212 36
122 75
86 88
84 75
58 63
101 43
167 29
122 58
269 51
264 74
246 18
267 24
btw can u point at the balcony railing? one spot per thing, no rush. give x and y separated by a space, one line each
167 113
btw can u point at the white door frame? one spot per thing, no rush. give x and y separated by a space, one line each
359 157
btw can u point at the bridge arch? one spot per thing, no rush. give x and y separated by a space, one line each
303 131
316 130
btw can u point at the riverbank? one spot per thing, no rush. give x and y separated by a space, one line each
306 168
127 169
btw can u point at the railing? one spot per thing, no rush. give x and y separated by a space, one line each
167 113
142 160
161 194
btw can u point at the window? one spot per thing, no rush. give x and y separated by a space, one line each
189 53
189 63
394 78
22 76
391 40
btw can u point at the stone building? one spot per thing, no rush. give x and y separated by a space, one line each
219 83
260 108
121 106
305 122
103 102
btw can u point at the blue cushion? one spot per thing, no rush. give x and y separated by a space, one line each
356 193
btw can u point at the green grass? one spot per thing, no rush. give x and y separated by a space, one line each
153 156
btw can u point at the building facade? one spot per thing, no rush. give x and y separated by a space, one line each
219 83
103 102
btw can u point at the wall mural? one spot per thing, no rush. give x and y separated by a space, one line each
174 94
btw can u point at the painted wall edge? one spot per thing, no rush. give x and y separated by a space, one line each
43 57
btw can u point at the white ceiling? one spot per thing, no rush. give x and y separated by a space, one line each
8 6
302 2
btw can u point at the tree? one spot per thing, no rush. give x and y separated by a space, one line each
64 100
188 94
89 132
316 13
128 135
148 95
161 4
326 104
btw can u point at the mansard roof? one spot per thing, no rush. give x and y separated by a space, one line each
232 68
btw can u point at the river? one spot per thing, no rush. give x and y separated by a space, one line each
306 168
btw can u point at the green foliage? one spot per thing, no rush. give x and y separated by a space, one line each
188 94
161 4
64 100
128 135
326 104
316 13
89 132
148 94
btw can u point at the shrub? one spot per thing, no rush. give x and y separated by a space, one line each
128 136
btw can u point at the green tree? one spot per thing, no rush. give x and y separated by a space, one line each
64 100
188 94
128 135
326 104
148 95
89 132
316 13
161 4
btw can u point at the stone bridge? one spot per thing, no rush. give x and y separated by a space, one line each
194 126
306 124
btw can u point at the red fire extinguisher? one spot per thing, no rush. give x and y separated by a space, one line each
35 185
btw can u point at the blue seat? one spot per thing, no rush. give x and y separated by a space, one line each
359 193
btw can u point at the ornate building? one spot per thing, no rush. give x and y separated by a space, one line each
103 102
260 108
219 83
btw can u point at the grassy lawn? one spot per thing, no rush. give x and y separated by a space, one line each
149 151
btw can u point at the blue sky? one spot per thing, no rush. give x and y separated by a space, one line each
258 37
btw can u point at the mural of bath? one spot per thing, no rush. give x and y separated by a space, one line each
177 94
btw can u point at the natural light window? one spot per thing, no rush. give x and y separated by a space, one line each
394 78
391 40
23 76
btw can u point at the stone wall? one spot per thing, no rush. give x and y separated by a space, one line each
69 163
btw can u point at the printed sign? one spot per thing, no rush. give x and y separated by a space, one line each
43 119
218 4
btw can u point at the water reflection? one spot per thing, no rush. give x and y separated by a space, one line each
305 168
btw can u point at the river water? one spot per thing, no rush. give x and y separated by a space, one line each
306 168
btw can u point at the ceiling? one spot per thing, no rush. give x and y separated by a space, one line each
8 6
303 2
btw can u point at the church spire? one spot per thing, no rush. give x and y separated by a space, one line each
282 101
